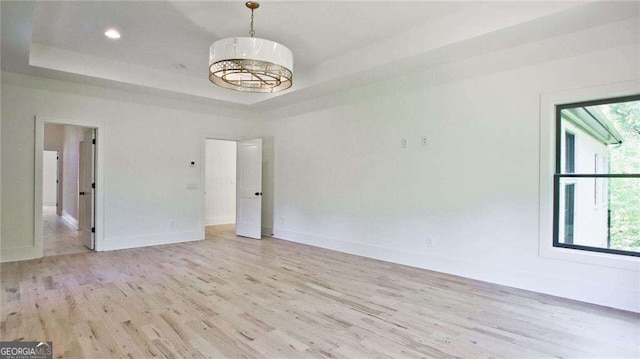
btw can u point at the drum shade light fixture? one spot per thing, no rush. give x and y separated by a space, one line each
250 64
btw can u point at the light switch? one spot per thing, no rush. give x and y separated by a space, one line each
405 142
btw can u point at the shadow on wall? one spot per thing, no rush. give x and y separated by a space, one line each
268 188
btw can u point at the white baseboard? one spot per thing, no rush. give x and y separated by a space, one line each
626 299
110 244
213 221
69 219
19 254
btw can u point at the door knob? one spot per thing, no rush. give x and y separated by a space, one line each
258 193
82 193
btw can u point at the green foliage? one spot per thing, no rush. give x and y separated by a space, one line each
624 193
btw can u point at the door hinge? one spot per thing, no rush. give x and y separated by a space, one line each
93 229
93 141
56 181
93 185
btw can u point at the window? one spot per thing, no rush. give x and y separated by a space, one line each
599 184
597 176
569 200
570 153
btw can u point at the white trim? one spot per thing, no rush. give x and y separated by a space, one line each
547 157
147 240
100 174
73 222
626 299
19 254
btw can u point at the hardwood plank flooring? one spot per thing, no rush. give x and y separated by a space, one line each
242 298
59 237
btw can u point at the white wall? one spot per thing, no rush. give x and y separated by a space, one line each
149 142
53 137
70 169
335 173
220 186
54 141
466 204
49 178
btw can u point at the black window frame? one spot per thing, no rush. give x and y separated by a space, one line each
558 175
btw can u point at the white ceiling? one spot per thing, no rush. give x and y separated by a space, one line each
357 41
160 34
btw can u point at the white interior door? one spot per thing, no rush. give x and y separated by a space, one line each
86 180
249 189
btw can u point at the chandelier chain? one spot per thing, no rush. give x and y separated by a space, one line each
252 32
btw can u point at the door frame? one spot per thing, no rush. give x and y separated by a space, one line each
203 171
38 241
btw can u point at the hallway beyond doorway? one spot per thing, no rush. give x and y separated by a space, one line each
59 236
221 231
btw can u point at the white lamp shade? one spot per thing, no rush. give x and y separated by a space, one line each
251 48
250 64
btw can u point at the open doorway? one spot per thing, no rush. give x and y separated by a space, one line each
68 182
220 186
232 177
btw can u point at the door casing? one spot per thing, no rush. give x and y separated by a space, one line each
38 242
203 143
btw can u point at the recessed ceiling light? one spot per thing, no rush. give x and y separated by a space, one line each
112 34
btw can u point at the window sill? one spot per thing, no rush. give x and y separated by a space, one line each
588 257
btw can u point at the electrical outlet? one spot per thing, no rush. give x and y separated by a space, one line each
172 224
424 142
405 142
430 241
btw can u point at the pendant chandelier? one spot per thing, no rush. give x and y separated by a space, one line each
250 64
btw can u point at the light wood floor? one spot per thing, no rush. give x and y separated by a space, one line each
243 298
59 237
